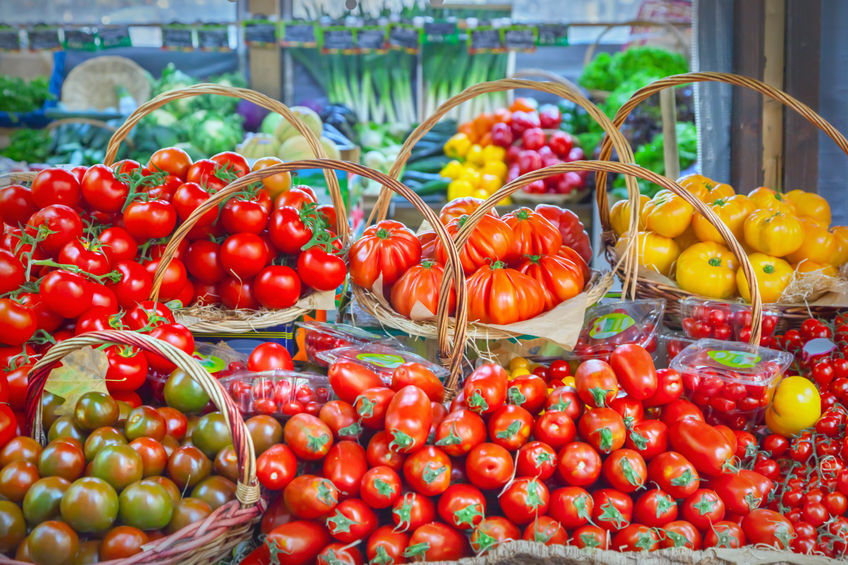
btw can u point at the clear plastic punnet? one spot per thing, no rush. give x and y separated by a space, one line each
609 325
381 359
728 321
277 393
731 381
323 336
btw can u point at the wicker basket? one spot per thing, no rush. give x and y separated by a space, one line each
214 319
207 540
790 314
92 83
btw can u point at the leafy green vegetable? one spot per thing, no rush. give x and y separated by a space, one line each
607 72
31 145
20 95
651 157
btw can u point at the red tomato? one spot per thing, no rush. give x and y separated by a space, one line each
462 506
579 464
649 438
669 388
177 335
596 383
546 530
428 471
460 431
17 322
269 356
386 546
491 532
636 537
564 399
308 437
379 453
371 406
349 380
8 424
590 536
298 541
320 269
148 315
118 245
536 459
630 409
571 506
55 186
705 446
762 526
243 255
246 214
134 286
435 542
171 160
411 511
625 470
16 205
674 474
309 497
489 466
724 534
54 226
276 467
65 293
152 219
127 368
502 295
559 278
380 487
485 389
603 429
702 508
528 391
510 426
352 520
188 197
345 465
634 368
277 287
86 255
680 533
739 492
408 419
680 409
532 234
385 250
655 508
416 374
524 499
491 240
613 509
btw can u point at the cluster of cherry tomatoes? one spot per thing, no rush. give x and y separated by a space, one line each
727 322
611 457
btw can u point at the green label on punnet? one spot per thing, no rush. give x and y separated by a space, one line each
734 359
211 363
382 359
610 325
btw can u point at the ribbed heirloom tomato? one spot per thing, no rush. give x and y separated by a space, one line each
491 240
418 288
500 295
385 250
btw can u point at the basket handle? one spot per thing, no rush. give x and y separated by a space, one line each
247 490
625 152
455 354
590 52
635 171
244 94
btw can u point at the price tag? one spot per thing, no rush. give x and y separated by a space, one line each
80 39
10 39
520 38
298 34
371 39
44 39
552 35
260 32
441 32
484 39
213 38
114 36
405 37
335 39
177 38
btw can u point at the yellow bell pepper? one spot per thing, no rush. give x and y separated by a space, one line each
459 188
472 176
732 211
771 200
807 266
620 214
667 214
773 232
818 245
490 183
811 205
656 253
505 202
494 153
475 155
795 406
773 275
841 235
453 170
497 168
457 146
480 193
708 269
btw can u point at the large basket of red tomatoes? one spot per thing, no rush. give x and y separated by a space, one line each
110 482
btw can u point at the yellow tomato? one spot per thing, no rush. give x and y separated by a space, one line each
518 363
275 184
795 406
497 168
732 211
568 381
811 205
656 252
457 146
771 200
519 372
717 191
841 235
459 188
707 269
453 170
620 214
494 153
667 214
807 266
490 183
772 232
699 185
475 155
687 239
773 275
818 245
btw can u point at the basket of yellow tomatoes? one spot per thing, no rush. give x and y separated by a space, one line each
796 254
